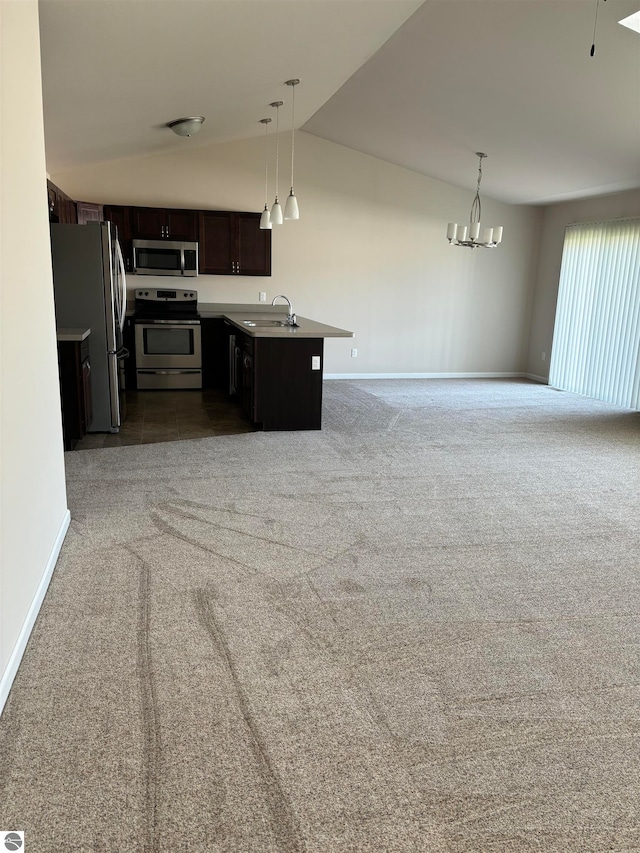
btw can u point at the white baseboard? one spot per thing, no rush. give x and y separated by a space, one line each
18 651
425 376
536 378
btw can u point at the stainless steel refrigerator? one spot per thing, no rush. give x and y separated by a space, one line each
90 292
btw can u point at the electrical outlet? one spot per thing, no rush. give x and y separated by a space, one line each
315 362
544 356
263 296
354 353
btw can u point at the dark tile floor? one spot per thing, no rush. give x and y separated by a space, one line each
153 416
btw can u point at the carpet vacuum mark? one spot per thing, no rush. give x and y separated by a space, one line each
414 630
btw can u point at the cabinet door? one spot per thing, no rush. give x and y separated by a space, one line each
149 223
120 216
215 353
52 198
182 225
89 212
69 214
216 249
254 245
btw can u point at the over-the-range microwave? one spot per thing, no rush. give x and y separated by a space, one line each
165 257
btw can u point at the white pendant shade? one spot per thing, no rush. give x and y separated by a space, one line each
265 219
291 207
276 213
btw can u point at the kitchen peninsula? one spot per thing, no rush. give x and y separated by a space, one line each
275 369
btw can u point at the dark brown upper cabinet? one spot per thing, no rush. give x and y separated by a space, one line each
62 208
120 216
157 223
232 243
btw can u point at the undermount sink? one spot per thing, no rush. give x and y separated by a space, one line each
263 323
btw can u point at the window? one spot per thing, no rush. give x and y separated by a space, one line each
596 339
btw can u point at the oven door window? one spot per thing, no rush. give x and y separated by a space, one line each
159 341
159 259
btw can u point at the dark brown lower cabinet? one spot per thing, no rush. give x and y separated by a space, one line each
75 390
215 353
280 382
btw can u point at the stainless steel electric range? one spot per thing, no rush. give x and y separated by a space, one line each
168 339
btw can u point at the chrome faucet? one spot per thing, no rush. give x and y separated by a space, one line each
292 320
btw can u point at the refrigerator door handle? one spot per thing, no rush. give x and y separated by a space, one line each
122 289
114 391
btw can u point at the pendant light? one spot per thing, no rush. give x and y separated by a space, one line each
460 235
265 219
276 210
291 207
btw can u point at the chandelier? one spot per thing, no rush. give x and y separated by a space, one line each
463 235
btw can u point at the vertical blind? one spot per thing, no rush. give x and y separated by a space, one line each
596 338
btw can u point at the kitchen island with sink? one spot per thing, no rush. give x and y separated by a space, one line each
275 369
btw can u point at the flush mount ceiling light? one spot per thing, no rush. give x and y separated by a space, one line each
186 126
460 235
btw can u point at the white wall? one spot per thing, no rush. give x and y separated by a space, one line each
556 218
33 509
369 253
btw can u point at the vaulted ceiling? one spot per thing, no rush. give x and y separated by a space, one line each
421 84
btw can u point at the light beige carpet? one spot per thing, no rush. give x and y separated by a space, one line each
415 630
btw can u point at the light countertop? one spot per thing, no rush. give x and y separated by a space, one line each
220 309
72 334
237 312
261 325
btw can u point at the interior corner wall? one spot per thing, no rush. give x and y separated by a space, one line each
368 254
555 219
33 506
